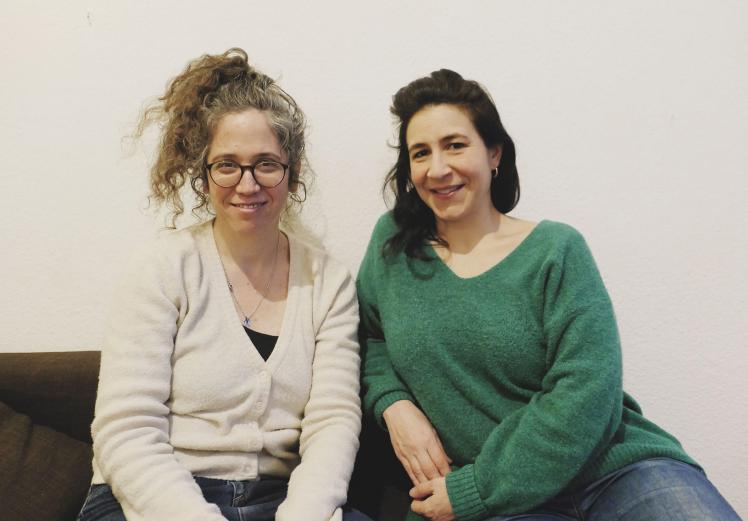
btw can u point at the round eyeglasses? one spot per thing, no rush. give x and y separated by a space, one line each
266 172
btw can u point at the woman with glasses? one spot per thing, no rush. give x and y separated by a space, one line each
229 372
489 344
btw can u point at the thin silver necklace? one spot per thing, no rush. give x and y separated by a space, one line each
248 318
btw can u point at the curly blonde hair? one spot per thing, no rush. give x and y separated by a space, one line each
209 88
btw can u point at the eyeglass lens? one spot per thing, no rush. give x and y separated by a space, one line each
229 173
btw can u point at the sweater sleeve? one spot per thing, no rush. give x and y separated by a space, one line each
536 451
328 442
381 384
131 427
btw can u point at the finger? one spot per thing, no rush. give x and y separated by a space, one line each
440 459
415 465
408 470
422 490
427 466
418 507
449 460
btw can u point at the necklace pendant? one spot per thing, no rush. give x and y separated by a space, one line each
246 322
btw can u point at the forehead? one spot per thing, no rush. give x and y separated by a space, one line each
244 133
433 122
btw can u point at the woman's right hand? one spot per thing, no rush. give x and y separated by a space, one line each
416 443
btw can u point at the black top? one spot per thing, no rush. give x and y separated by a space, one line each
264 343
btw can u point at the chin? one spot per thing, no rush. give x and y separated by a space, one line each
449 215
241 226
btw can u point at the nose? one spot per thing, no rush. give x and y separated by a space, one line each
438 166
247 183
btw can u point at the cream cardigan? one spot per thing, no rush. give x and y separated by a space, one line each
183 392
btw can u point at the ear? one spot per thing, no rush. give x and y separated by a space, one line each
494 155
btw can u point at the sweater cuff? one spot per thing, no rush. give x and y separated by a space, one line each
387 400
463 495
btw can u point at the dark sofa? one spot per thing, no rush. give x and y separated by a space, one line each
46 407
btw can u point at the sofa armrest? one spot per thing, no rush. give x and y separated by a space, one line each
55 389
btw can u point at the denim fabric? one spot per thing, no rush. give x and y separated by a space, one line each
257 499
100 505
253 500
659 489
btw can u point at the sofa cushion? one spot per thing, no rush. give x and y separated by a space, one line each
57 390
44 474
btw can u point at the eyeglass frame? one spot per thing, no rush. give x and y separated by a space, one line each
243 168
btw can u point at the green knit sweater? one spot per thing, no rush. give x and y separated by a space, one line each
518 369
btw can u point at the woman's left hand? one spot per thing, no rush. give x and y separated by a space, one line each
430 499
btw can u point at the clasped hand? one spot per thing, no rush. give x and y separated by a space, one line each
430 499
420 451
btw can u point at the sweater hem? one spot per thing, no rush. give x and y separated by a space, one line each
463 495
387 400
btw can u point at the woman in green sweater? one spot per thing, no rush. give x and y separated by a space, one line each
490 347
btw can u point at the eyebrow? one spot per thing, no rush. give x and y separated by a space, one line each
448 137
255 158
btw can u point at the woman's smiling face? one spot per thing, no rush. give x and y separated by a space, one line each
450 165
245 137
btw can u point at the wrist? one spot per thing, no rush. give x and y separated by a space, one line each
396 407
386 401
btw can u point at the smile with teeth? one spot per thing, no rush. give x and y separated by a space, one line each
447 189
248 206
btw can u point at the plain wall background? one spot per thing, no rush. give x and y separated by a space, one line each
630 121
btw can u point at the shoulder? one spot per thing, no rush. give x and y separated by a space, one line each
559 237
315 262
565 253
326 282
170 253
181 248
553 246
558 231
384 228
183 241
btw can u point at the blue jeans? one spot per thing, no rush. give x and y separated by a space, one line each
253 500
659 489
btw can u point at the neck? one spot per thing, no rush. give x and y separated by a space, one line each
246 249
463 235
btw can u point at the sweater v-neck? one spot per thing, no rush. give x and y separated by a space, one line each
227 303
507 259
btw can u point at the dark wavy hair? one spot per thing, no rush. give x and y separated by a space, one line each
415 220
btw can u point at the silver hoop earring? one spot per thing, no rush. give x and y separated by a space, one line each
495 172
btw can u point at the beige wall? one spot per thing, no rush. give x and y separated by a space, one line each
630 119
